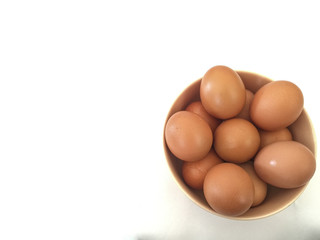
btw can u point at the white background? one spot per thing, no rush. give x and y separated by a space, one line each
85 87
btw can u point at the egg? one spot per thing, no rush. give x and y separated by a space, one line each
236 140
194 172
260 187
196 107
188 136
276 105
222 92
228 189
268 137
285 164
245 112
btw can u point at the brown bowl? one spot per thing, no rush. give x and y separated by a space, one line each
277 199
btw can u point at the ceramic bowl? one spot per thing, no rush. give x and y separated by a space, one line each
277 199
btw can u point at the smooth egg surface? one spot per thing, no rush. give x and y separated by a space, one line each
228 189
285 164
194 172
236 140
276 105
196 107
245 112
188 136
222 92
260 187
268 137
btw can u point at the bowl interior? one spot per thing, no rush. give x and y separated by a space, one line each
277 199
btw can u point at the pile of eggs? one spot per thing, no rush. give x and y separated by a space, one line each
234 143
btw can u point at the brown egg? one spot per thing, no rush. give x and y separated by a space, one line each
276 105
196 107
286 164
188 136
222 92
245 112
194 173
260 187
268 137
236 140
228 189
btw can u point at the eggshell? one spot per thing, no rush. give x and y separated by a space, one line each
236 140
194 173
222 92
188 136
276 105
228 189
260 187
286 164
268 137
245 112
196 107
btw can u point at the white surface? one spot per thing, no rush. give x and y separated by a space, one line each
85 87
